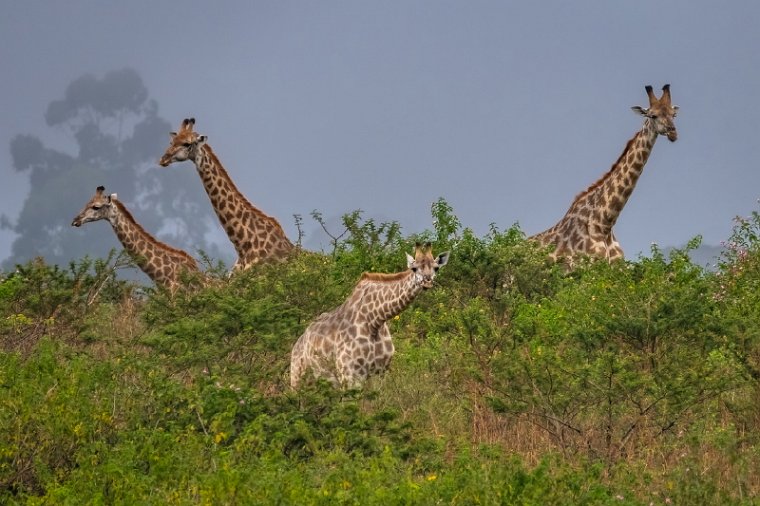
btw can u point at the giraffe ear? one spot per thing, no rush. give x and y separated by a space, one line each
409 261
202 140
442 259
112 197
675 111
640 110
172 135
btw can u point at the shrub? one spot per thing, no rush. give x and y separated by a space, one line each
514 381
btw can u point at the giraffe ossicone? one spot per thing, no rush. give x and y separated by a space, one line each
352 342
162 263
255 235
586 228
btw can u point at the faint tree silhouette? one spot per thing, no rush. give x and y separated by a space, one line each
119 136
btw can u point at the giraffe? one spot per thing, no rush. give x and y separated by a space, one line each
351 342
255 235
162 263
586 228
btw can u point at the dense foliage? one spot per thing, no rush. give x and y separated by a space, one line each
514 381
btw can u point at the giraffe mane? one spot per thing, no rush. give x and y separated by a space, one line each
383 277
125 212
596 184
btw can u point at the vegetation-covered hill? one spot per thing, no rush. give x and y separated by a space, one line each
513 382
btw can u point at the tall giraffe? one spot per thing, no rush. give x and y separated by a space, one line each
352 341
162 263
586 228
255 235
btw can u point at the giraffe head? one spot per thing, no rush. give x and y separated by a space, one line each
184 144
660 112
424 265
99 207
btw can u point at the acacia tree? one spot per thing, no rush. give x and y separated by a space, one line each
119 136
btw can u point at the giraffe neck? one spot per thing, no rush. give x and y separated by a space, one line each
232 208
218 184
611 193
384 296
133 237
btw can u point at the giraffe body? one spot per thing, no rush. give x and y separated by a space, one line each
352 342
162 263
255 235
586 228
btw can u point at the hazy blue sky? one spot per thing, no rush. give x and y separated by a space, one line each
506 109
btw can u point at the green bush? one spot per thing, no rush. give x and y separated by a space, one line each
39 299
626 354
514 381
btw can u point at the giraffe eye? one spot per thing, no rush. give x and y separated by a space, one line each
186 144
436 268
96 208
414 269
